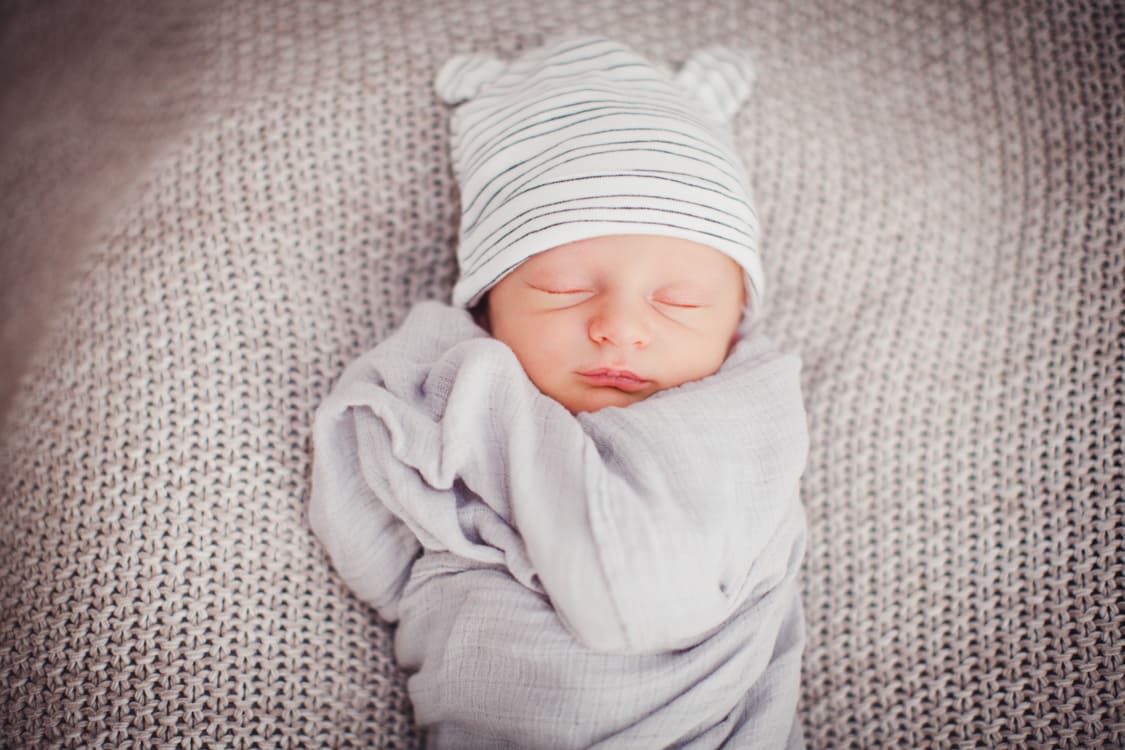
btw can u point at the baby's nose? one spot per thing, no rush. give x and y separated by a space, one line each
622 323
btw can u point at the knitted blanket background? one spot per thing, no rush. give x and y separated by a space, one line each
209 208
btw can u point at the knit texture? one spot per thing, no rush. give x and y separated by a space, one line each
941 190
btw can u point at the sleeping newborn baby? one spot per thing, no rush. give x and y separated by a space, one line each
575 489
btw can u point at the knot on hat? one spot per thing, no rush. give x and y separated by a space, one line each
463 76
720 77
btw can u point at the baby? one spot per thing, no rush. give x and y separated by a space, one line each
576 489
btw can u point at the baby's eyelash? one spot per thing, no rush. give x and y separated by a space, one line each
558 291
681 305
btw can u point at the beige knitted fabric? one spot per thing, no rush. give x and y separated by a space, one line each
942 195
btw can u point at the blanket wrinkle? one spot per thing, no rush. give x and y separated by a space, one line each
636 533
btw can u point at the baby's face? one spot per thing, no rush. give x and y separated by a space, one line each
611 320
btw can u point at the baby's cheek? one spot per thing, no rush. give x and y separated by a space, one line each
704 364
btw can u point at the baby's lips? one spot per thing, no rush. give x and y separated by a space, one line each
624 380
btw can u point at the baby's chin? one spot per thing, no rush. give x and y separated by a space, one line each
596 399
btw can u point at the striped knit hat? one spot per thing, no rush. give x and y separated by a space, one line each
584 138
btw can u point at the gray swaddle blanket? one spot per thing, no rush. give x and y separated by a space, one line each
620 578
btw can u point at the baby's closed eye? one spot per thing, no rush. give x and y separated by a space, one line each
685 299
560 293
560 289
552 280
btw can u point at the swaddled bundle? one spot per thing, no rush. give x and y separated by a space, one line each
626 577
572 576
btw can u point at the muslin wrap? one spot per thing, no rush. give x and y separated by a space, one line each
623 578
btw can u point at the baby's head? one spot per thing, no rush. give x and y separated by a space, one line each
610 320
607 231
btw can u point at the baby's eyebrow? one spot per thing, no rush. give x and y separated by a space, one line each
686 285
549 277
694 298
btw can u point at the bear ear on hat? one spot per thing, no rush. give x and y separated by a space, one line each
463 76
720 77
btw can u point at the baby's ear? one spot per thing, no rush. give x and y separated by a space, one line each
462 77
720 78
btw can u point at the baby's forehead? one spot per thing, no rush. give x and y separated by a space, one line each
632 251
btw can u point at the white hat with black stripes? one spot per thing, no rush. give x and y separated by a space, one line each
584 138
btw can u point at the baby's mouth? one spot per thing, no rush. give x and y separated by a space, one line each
608 377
